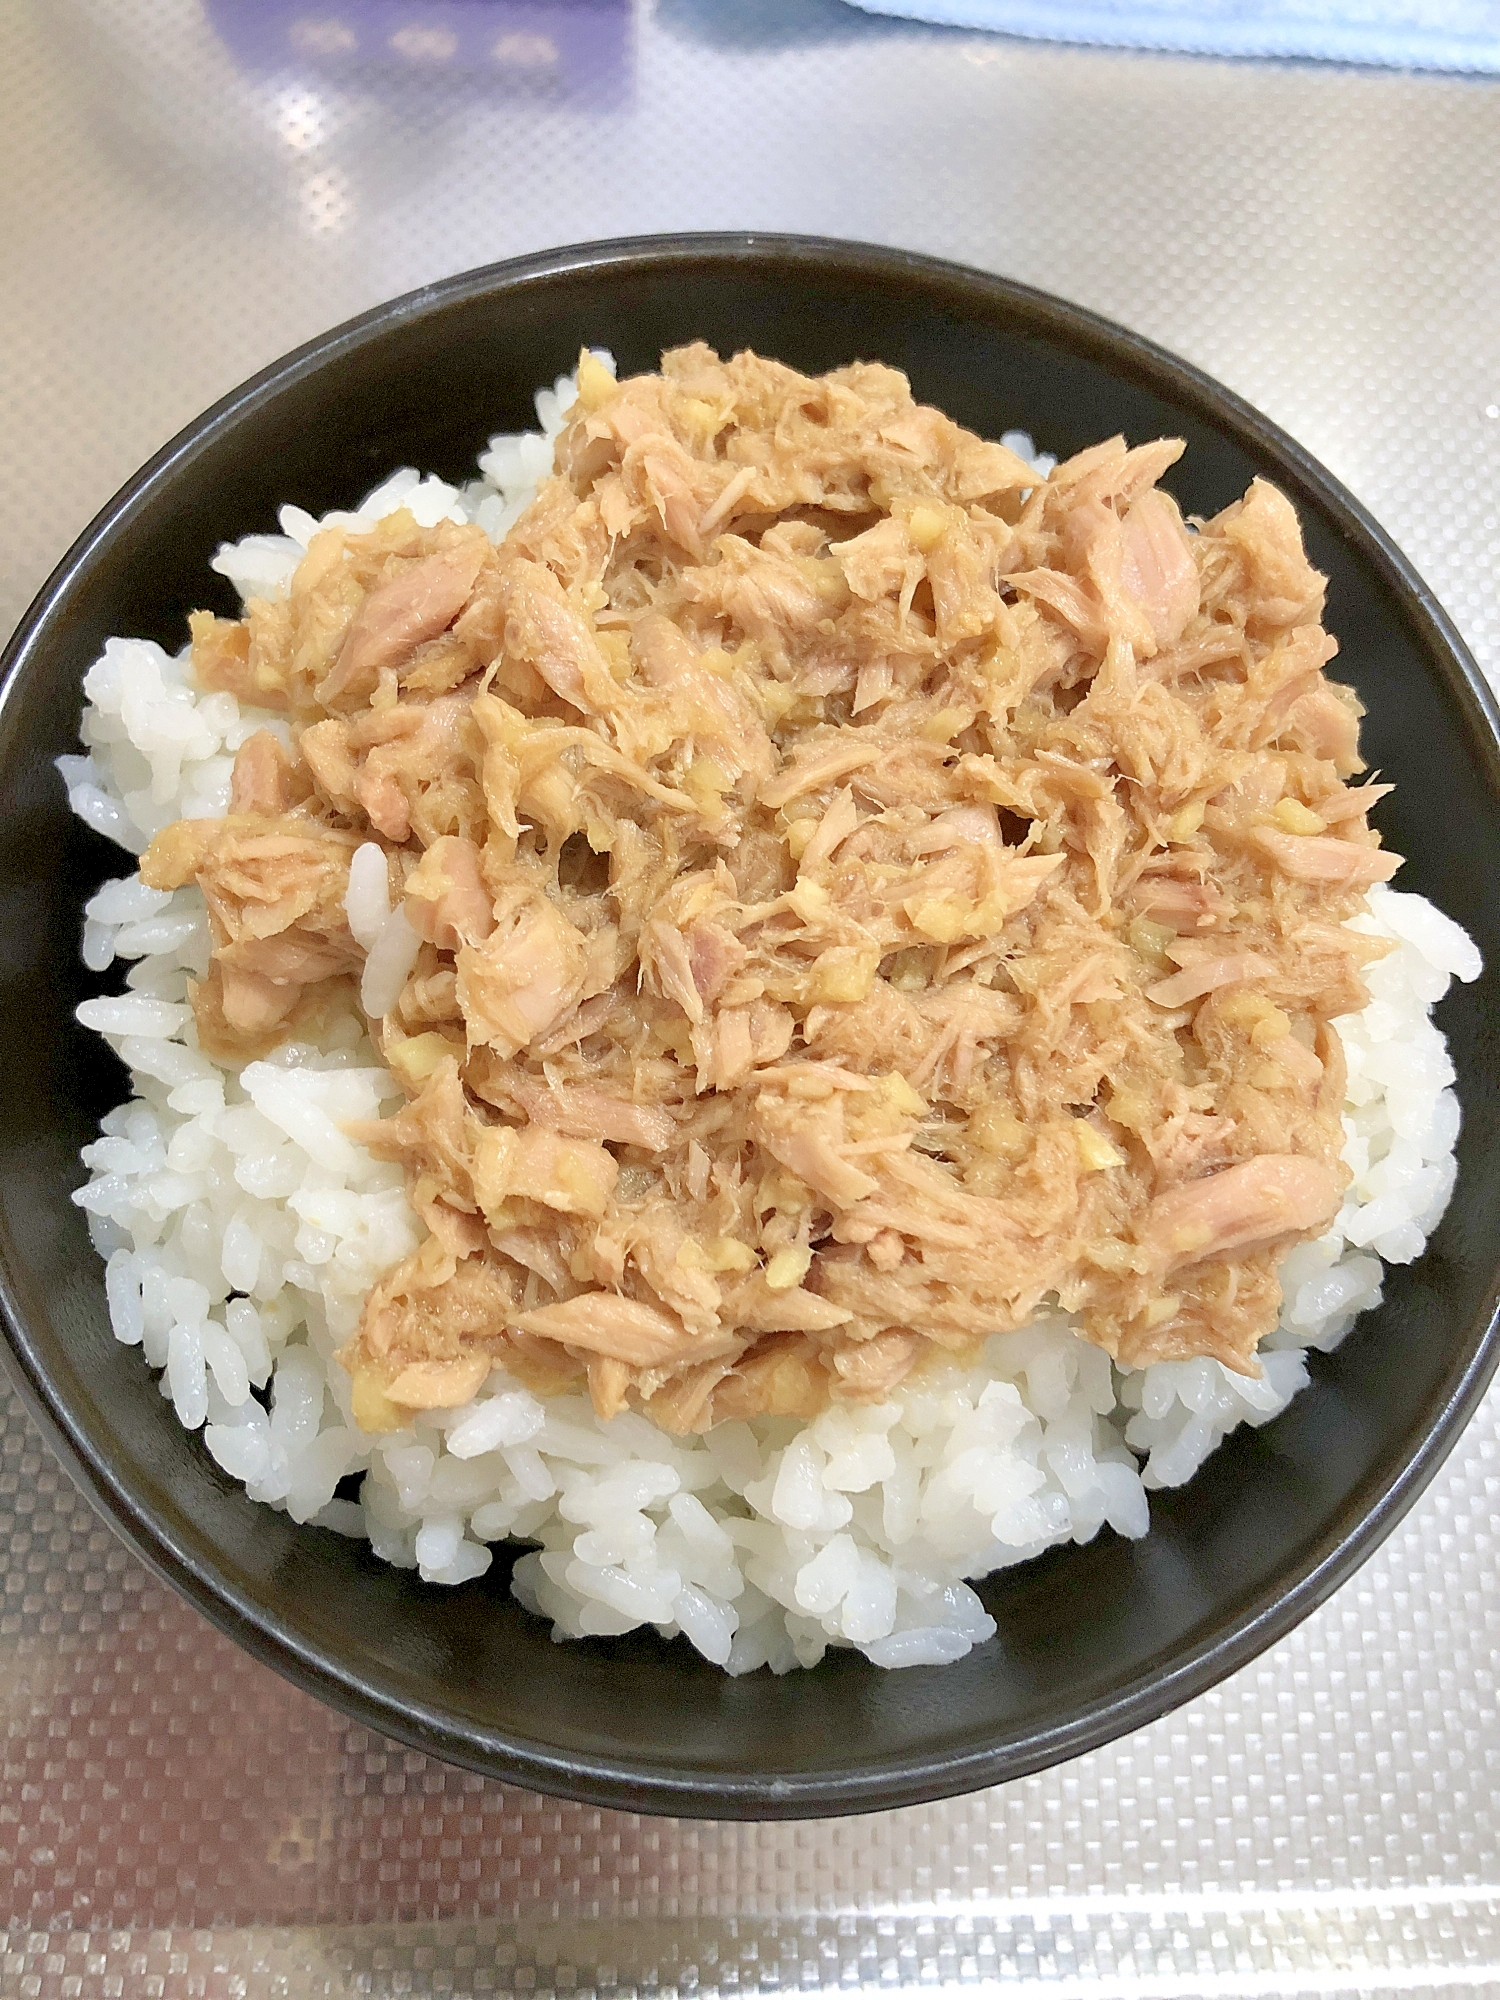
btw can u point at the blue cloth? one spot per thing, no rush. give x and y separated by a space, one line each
1396 34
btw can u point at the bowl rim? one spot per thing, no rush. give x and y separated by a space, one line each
616 1781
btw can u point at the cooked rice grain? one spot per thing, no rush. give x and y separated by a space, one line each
242 1229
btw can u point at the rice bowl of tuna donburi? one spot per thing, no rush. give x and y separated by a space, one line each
763 1011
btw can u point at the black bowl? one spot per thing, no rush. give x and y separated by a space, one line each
1093 1641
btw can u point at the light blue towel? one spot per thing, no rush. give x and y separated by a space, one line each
1397 34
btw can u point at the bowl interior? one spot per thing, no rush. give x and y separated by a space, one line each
1092 1640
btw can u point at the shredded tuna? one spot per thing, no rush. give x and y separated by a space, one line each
863 890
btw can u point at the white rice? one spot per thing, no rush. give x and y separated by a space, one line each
241 1230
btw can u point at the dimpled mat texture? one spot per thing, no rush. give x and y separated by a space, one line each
192 186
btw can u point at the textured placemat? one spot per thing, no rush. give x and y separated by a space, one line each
192 188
